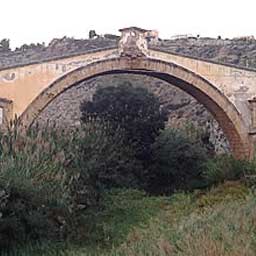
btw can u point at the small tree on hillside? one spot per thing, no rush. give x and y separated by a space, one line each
176 163
92 34
5 45
134 109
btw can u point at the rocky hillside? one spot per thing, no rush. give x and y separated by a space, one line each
240 52
64 110
56 48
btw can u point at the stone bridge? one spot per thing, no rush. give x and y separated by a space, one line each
227 91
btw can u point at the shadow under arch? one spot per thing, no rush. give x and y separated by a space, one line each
206 93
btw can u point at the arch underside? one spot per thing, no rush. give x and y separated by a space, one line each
204 92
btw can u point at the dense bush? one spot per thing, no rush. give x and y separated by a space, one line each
134 109
49 176
104 155
177 162
33 192
227 168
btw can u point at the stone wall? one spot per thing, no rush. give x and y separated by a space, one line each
64 111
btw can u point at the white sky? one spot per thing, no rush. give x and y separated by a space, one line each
26 21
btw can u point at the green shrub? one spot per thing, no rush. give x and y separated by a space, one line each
48 177
37 173
176 164
104 160
197 135
32 183
136 110
24 218
227 168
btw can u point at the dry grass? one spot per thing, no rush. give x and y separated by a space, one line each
225 228
221 222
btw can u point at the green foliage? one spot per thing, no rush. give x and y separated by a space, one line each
176 164
228 191
50 176
216 222
135 110
38 184
198 135
122 209
227 168
34 201
105 158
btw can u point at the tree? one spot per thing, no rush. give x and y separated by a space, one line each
104 160
92 34
5 45
176 163
134 109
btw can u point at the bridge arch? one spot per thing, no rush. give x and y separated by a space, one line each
206 93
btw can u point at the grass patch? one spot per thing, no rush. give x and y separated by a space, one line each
221 221
122 210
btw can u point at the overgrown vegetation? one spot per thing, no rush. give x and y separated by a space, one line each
177 163
224 167
49 177
89 191
216 222
133 109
